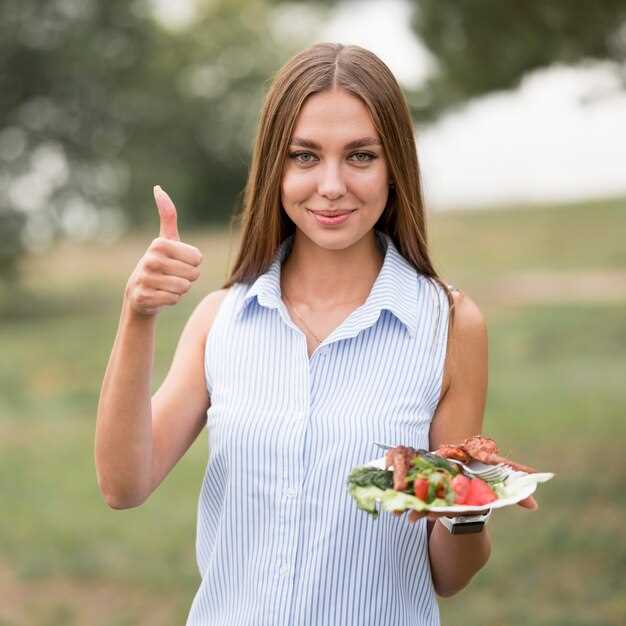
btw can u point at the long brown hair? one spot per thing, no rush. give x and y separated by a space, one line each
263 222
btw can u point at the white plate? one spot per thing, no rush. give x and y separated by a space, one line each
517 486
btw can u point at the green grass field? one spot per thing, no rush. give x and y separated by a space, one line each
557 400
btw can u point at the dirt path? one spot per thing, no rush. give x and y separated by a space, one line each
543 287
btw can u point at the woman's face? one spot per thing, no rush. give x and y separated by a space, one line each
335 164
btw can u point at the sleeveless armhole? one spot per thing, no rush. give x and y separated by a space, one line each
440 336
451 289
446 341
210 338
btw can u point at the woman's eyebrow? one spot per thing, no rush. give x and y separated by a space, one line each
357 143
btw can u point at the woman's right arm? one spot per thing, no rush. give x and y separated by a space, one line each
138 438
123 445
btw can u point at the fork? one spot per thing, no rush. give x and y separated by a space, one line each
491 473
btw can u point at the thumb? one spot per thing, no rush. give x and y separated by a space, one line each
167 214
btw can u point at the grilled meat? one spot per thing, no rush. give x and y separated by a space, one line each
453 452
481 449
400 457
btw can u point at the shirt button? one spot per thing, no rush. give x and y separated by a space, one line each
284 570
291 492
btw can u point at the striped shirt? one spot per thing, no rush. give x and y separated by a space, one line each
280 542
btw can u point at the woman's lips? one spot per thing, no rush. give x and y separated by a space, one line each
332 213
328 219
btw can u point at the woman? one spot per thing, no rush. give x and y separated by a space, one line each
332 331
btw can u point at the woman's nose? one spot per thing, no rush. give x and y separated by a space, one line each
331 185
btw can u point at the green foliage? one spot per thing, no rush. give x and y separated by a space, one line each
488 45
99 101
11 225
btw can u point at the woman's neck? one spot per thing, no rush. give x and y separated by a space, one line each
323 279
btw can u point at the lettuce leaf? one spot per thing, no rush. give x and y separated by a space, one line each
368 476
392 500
365 498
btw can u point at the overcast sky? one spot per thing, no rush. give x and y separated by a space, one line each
538 143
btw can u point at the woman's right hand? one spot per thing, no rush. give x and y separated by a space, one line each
165 272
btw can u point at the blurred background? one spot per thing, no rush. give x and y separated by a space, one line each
520 114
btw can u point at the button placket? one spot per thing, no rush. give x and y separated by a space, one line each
289 514
293 478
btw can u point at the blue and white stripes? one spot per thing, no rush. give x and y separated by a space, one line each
280 541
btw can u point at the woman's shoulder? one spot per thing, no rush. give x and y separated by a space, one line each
213 299
469 321
467 340
203 316
210 304
468 317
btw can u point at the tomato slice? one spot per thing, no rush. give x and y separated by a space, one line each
420 486
480 493
461 486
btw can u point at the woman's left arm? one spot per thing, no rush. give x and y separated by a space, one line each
455 559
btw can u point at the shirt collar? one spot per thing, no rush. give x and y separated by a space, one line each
395 288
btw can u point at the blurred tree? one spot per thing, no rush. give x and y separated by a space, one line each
486 45
102 99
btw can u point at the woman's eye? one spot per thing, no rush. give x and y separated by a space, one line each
367 155
297 156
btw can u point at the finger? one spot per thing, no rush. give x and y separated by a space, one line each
166 297
415 515
167 214
173 267
156 298
529 503
178 250
172 284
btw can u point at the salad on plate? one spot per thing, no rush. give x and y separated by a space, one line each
410 478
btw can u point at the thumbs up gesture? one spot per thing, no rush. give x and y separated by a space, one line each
167 269
167 214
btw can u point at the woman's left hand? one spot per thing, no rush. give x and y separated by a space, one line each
528 503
